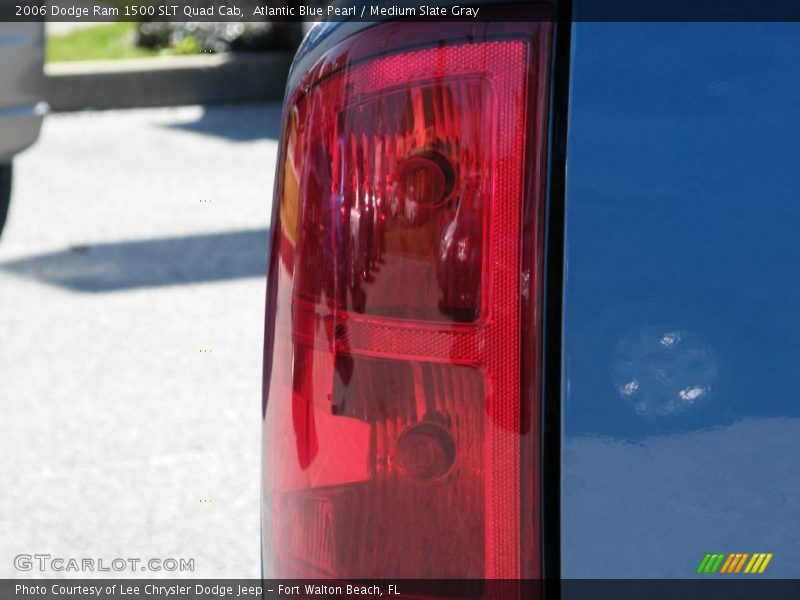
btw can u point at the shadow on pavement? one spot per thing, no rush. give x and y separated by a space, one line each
238 124
117 266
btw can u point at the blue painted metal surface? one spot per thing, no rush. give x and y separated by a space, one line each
681 414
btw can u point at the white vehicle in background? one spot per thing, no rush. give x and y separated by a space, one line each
21 97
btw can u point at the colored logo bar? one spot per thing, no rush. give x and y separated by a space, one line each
733 563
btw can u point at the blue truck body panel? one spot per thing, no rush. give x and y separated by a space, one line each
681 315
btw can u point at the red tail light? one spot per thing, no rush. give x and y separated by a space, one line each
401 369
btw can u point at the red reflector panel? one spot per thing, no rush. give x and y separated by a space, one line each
399 430
407 177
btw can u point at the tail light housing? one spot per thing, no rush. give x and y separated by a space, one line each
400 429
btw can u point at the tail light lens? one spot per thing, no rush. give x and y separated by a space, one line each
401 364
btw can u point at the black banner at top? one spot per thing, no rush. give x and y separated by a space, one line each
378 10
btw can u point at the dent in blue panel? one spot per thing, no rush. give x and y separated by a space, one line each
682 298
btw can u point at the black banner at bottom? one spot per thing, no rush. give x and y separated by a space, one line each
256 589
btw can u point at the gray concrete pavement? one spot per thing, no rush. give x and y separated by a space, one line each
131 313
